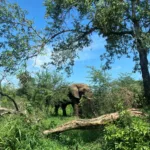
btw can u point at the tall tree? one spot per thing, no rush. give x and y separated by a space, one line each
125 24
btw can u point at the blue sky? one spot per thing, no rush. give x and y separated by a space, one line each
88 57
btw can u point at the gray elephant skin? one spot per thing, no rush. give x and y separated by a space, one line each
76 91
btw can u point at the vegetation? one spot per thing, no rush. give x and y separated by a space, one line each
18 38
111 95
45 88
127 136
124 25
25 131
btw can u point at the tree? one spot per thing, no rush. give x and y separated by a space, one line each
52 87
18 41
18 38
26 85
44 89
125 24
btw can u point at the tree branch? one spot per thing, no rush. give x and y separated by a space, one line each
4 111
72 30
15 104
95 122
120 33
63 31
87 32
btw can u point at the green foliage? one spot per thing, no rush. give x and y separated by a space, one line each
61 95
87 108
115 20
27 85
51 88
17 133
45 89
25 132
134 135
133 88
18 38
124 25
101 85
111 95
11 91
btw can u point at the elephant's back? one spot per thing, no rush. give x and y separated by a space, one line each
79 85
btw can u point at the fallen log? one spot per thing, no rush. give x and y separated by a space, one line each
4 111
94 122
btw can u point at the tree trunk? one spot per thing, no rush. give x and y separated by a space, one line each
91 123
145 74
143 51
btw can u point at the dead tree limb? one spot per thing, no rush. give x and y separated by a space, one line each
4 111
6 95
95 122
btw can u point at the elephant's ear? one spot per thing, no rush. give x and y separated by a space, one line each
74 91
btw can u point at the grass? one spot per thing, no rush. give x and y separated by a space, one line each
25 133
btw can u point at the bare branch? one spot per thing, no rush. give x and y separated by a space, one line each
15 104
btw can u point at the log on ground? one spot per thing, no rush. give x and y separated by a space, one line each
4 111
94 122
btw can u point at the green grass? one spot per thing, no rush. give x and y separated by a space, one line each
25 133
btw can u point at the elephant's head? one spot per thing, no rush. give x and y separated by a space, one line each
79 89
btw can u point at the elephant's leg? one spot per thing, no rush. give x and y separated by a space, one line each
75 109
79 110
64 109
56 109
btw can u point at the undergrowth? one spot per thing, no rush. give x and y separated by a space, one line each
25 133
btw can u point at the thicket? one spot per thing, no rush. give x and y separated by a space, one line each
20 41
127 136
112 95
25 132
44 90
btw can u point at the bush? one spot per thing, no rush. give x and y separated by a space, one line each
111 95
132 136
18 133
25 133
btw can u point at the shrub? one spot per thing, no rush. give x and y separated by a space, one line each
132 136
111 95
17 133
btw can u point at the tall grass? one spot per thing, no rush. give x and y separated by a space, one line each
25 133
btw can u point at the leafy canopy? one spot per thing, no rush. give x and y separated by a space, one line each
74 21
18 38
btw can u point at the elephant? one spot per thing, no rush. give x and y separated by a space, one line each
75 92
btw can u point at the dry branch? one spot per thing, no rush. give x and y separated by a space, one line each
95 122
10 98
4 111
